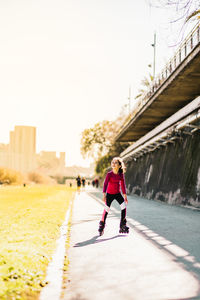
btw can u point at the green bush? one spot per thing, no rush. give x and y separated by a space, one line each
103 164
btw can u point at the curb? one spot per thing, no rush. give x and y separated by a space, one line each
54 277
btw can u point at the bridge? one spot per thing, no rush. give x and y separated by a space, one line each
163 162
176 86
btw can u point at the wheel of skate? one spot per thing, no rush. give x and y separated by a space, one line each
101 232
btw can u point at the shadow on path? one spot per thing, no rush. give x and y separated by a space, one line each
94 240
92 220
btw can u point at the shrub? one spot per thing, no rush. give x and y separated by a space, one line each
39 178
8 176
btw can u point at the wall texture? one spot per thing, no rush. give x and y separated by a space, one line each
170 174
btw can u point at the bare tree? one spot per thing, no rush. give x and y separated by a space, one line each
185 9
182 15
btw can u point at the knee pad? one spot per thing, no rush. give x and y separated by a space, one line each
107 208
123 206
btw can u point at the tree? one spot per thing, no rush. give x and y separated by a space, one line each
103 162
182 14
194 15
145 85
185 9
99 143
96 141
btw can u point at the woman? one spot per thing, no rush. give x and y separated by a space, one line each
111 190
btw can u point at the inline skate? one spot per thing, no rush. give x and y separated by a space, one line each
123 228
101 227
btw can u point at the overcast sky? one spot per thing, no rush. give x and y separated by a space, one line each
67 64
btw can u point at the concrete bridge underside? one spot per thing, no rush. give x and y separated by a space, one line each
179 89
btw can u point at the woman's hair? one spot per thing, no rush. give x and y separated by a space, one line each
122 168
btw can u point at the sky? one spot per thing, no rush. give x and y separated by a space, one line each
68 64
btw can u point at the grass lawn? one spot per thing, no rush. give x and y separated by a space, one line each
30 218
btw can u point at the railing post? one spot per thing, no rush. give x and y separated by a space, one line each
191 41
179 55
170 67
174 61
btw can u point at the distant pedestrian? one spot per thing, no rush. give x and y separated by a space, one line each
83 181
97 183
111 190
78 182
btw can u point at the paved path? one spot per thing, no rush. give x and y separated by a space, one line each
119 266
177 224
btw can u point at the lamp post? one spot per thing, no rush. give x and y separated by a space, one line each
154 55
129 98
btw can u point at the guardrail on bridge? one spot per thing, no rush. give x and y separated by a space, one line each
184 50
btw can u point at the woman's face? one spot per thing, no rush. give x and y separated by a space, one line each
115 164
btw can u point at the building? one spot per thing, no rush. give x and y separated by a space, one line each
62 162
48 162
20 153
4 155
22 148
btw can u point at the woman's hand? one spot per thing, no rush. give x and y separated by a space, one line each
104 197
125 199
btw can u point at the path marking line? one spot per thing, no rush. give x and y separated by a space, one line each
52 291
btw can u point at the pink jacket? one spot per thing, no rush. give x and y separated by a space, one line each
113 182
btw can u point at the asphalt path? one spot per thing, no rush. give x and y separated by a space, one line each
180 225
158 260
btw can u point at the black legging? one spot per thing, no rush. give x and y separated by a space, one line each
109 200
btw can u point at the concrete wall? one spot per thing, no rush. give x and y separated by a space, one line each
170 174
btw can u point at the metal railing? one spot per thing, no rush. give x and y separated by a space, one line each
186 47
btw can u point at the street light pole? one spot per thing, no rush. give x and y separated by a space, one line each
129 98
154 55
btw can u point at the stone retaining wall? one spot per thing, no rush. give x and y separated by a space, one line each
170 174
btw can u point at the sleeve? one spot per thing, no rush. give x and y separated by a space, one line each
123 185
105 185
